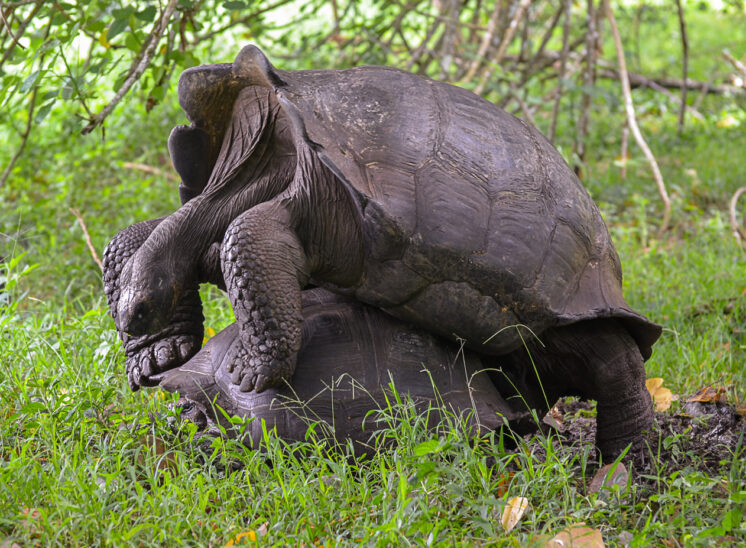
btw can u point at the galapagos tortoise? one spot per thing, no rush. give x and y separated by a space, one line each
411 195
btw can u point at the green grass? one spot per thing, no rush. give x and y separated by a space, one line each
78 464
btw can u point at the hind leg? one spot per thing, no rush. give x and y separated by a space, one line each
597 360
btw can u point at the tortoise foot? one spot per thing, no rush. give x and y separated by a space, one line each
256 368
147 359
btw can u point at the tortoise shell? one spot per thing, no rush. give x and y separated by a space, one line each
463 201
340 396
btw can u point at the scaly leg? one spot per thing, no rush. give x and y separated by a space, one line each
264 267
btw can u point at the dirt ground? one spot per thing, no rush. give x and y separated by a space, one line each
698 436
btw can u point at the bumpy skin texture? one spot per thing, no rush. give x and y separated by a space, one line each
266 312
148 355
414 196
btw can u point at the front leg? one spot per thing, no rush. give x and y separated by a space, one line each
264 267
150 354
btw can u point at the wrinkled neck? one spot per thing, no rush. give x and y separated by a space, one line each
256 162
185 236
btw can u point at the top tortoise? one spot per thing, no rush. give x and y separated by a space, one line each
411 195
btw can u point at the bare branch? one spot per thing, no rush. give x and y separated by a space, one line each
87 238
638 80
561 73
150 169
738 230
20 31
489 35
507 39
589 80
24 137
242 21
738 65
8 27
624 153
685 64
632 120
139 64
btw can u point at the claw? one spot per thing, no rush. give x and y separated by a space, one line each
134 378
236 375
261 383
247 383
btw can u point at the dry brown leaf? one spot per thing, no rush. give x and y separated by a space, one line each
555 419
166 459
741 409
710 395
30 518
606 477
503 484
577 536
513 512
661 396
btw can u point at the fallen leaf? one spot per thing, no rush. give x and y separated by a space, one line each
608 476
709 394
625 538
503 483
513 512
741 409
242 537
554 418
166 458
661 396
30 521
653 384
577 536
249 536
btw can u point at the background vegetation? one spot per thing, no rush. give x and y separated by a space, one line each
84 461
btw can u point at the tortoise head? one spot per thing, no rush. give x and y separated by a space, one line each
149 290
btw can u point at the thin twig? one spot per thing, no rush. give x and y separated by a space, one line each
507 39
738 65
738 231
702 94
20 31
525 110
589 80
24 137
685 64
489 35
139 64
638 80
632 120
10 30
241 21
561 74
644 81
624 153
87 238
150 169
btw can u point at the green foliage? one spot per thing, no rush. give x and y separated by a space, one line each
80 464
